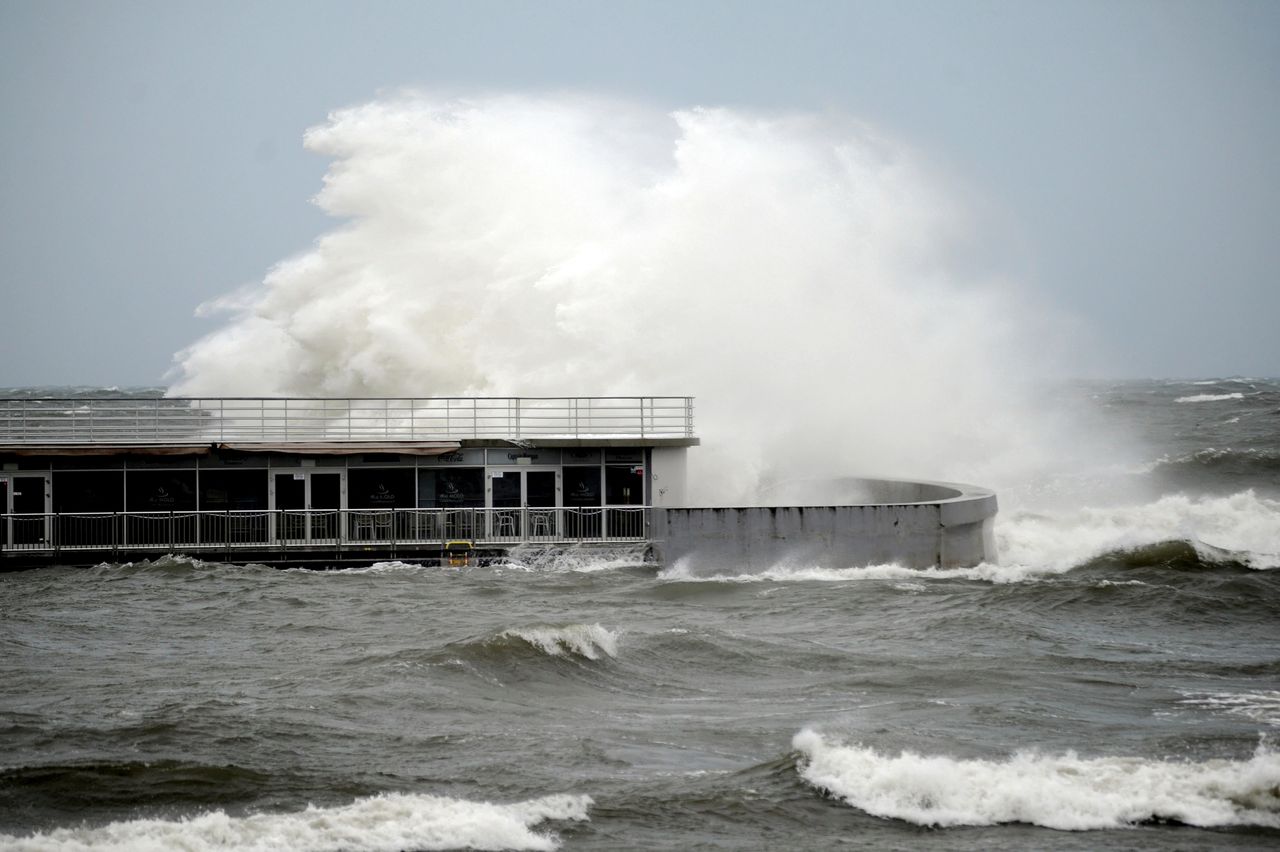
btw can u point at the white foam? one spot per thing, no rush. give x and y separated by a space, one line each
1056 791
679 572
386 823
582 640
1210 397
1243 526
577 560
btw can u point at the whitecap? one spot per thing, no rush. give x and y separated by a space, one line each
582 640
1061 791
1210 397
385 823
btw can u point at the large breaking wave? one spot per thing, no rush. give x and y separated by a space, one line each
385 823
1060 791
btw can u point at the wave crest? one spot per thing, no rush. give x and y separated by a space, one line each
1209 397
573 640
389 822
1055 791
1242 528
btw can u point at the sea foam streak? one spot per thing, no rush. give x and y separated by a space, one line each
1258 706
1056 791
386 823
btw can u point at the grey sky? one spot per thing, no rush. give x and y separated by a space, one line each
1121 156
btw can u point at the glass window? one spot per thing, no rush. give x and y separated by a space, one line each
380 488
231 458
624 485
237 490
88 463
93 491
451 488
148 461
161 490
582 486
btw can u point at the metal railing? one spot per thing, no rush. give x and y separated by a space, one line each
123 420
283 529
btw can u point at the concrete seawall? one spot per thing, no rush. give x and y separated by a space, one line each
836 524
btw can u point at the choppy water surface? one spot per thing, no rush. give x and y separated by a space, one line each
1114 681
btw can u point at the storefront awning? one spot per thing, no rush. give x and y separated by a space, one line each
345 448
107 450
304 448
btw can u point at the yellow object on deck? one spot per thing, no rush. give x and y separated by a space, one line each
458 552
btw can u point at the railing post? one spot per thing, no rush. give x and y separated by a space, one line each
115 537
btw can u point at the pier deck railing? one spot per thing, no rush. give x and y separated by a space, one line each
126 420
283 529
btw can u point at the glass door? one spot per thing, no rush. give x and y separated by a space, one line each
309 505
26 500
524 504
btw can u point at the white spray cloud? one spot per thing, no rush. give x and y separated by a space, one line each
793 272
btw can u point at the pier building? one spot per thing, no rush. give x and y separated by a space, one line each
333 481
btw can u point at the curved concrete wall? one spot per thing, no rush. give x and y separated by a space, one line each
835 523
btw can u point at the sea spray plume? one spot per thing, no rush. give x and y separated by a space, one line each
790 271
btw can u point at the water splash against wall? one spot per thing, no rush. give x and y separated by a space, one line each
793 272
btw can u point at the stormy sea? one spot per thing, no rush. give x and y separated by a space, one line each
1113 681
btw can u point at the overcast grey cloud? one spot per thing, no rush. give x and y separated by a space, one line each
1117 158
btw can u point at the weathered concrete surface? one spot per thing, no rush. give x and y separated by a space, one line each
876 521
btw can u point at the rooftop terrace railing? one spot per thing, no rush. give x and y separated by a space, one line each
125 420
